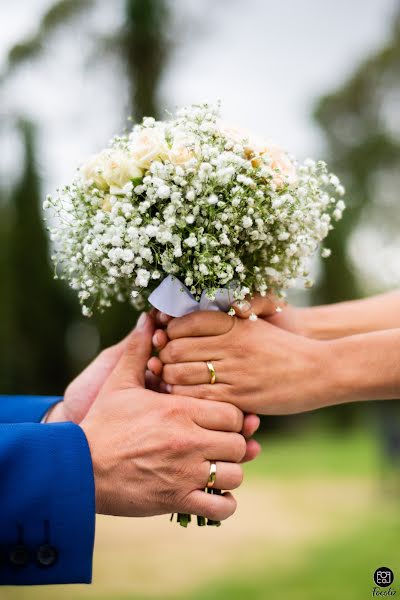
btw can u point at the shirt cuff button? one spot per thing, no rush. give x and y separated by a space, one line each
46 555
19 555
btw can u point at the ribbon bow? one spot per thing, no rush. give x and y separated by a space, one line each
173 298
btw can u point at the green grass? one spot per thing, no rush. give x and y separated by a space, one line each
334 570
317 453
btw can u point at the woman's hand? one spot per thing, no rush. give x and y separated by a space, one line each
271 309
259 367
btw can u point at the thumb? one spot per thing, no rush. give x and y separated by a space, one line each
131 367
262 306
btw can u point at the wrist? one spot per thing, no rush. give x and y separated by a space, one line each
351 372
56 414
317 323
98 469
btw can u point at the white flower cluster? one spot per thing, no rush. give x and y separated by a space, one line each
193 198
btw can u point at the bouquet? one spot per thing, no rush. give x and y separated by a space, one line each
190 213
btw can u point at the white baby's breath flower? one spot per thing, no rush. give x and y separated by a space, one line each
195 198
212 199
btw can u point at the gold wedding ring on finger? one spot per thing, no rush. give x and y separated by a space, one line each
213 475
213 375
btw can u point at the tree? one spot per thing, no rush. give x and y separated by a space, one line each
360 147
361 125
35 310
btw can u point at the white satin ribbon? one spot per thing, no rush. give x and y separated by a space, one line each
173 298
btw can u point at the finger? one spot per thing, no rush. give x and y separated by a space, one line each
229 476
201 323
192 373
155 365
253 449
160 339
250 425
218 445
162 319
262 306
153 382
218 416
221 392
131 367
211 506
192 349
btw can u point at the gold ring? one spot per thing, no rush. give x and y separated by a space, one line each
213 375
213 475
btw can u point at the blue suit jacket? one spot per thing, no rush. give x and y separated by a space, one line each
47 506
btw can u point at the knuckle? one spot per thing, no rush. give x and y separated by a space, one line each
180 445
240 447
171 374
208 392
175 410
239 476
236 418
172 353
218 510
171 328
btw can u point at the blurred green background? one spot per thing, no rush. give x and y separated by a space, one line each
319 510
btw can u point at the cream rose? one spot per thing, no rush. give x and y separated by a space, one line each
284 168
111 168
235 134
255 148
182 150
148 145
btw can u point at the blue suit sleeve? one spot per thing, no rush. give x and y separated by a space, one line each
25 409
47 504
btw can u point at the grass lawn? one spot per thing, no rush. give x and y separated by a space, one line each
317 453
335 569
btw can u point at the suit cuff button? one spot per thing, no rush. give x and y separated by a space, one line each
46 555
19 556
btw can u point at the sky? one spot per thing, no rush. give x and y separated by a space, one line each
267 61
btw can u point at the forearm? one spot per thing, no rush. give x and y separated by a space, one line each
350 318
366 367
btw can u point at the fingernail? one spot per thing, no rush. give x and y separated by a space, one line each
141 322
168 388
163 318
156 340
243 305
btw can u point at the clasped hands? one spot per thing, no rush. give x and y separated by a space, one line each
260 367
151 452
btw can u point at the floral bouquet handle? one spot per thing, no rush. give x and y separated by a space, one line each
173 298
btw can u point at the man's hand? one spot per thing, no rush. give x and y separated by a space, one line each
83 390
259 367
151 453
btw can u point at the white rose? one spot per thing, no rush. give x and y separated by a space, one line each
111 168
148 145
